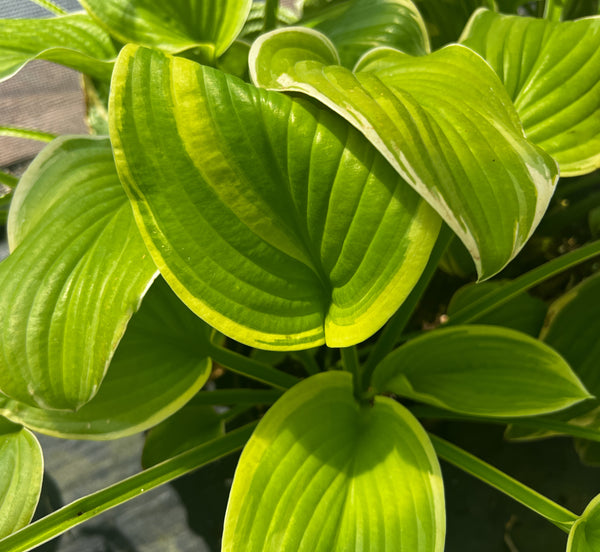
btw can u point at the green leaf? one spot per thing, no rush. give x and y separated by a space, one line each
524 312
446 19
192 426
210 26
585 533
552 72
72 40
76 274
323 473
255 23
368 24
301 231
457 261
159 365
481 371
21 472
443 121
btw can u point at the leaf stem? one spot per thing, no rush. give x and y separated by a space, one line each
8 180
499 296
251 368
16 132
553 512
90 506
396 325
50 6
352 364
553 10
271 9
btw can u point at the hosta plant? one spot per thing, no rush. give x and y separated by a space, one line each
268 191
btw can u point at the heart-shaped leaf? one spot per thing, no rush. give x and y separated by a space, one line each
481 371
368 24
552 72
159 365
323 473
585 533
21 472
77 272
272 218
208 26
72 40
444 122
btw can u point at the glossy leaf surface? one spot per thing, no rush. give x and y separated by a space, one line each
524 313
77 272
210 26
159 365
21 472
481 371
368 24
443 121
585 533
552 72
72 40
300 231
321 473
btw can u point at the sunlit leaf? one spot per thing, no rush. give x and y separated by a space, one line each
21 472
255 22
209 26
77 272
323 473
72 40
481 371
585 533
301 231
552 72
191 426
524 312
443 121
368 24
159 365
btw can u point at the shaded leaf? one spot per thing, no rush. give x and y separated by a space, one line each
159 365
552 72
255 22
524 312
322 473
209 26
446 19
72 40
481 371
301 231
191 426
76 274
21 472
585 533
443 121
368 24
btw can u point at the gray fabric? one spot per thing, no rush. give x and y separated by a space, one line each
28 9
